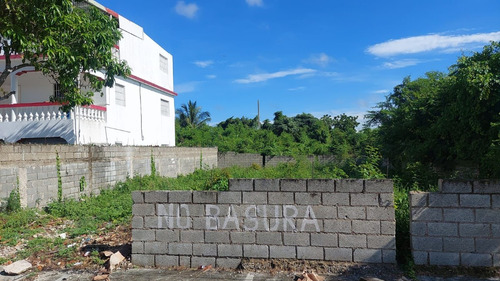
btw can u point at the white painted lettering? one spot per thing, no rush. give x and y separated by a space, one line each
232 216
309 218
289 220
252 219
211 217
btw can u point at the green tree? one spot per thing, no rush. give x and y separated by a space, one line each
191 115
63 41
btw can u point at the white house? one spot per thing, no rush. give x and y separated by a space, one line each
137 110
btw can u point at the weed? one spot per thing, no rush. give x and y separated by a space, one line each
83 184
59 179
14 201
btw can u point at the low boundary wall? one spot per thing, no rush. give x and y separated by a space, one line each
85 170
336 220
229 159
460 225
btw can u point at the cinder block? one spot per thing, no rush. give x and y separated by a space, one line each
495 201
228 262
379 186
381 242
267 185
255 197
310 253
166 261
143 209
455 186
209 197
352 241
296 239
312 198
419 199
438 258
496 260
137 222
367 255
156 196
475 230
351 213
240 184
217 237
386 200
338 254
427 214
364 199
143 260
475 200
190 210
201 261
184 261
389 256
229 197
487 186
366 227
442 229
443 200
205 250
488 215
456 245
458 215
143 235
427 243
166 235
152 222
154 248
180 248
256 251
322 212
337 226
336 199
293 185
281 198
349 185
282 252
180 196
324 239
321 185
137 247
269 238
243 237
138 197
489 246
471 259
495 230
229 250
418 228
192 236
420 258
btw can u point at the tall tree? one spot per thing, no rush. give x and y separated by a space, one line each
191 115
63 41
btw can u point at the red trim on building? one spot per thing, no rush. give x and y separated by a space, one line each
12 57
151 84
111 12
117 46
25 71
36 104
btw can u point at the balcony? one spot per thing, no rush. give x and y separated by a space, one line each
45 123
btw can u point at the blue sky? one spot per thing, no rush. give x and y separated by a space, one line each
319 56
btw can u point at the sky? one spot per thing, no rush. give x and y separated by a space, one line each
317 56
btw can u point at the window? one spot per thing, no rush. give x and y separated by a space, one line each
165 108
57 92
120 95
163 64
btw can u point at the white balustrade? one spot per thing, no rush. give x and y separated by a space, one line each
49 112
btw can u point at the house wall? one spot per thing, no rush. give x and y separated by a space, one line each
460 225
33 168
337 220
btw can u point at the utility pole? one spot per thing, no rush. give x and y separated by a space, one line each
258 114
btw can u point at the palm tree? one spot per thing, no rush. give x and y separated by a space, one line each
191 115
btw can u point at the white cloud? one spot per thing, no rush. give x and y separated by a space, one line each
254 78
321 59
401 63
257 3
204 63
425 43
297 89
186 87
381 92
186 10
211 76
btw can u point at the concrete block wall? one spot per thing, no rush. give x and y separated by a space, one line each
335 220
229 159
460 225
88 169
